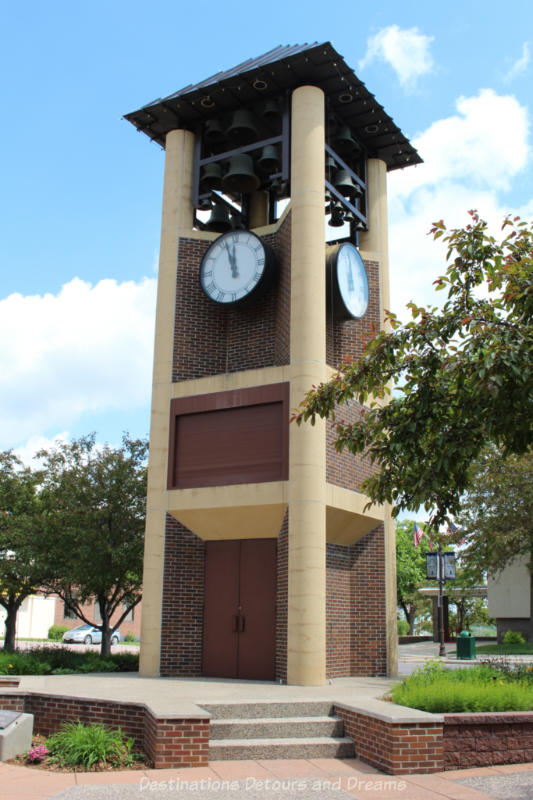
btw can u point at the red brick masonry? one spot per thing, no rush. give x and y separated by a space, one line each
168 742
398 748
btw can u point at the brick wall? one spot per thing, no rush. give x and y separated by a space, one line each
395 748
339 611
183 601
369 640
210 339
355 607
177 743
167 742
480 740
345 469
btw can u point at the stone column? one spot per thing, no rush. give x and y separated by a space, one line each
375 244
177 216
307 477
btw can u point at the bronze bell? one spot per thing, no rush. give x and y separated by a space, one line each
213 133
345 185
360 226
343 142
219 221
204 204
271 113
337 215
269 160
330 163
242 129
240 177
211 177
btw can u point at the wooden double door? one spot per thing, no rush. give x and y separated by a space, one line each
240 609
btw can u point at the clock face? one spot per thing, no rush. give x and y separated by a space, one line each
352 280
234 268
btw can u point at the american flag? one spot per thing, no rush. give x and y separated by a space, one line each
417 535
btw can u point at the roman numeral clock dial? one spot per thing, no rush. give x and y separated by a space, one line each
237 268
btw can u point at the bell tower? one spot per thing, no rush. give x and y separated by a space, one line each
261 561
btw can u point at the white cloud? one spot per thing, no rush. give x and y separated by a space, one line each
520 65
405 50
469 159
26 452
86 349
484 145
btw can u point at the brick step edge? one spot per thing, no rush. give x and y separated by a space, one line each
276 728
253 749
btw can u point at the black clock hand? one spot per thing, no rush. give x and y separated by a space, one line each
233 262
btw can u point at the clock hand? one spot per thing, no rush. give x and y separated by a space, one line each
233 262
351 286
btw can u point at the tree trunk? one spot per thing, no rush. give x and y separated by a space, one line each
11 622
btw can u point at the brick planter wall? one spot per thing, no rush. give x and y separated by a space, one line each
480 740
398 748
168 742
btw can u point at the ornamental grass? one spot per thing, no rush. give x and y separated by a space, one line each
486 687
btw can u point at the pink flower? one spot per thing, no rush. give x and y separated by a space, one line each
38 753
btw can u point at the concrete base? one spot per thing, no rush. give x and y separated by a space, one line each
15 733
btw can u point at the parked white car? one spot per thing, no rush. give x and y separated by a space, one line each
88 634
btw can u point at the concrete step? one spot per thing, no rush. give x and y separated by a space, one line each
252 749
276 728
268 710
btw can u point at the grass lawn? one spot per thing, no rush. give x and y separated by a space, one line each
506 649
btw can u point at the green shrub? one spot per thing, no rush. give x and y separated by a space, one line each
61 661
403 627
125 662
86 746
130 637
55 633
513 637
482 688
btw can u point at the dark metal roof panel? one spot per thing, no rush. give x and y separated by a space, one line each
279 70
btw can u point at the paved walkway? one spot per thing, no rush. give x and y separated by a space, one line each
322 779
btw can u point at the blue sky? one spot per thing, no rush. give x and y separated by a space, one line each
81 199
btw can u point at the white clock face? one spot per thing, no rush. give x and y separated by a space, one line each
352 280
232 267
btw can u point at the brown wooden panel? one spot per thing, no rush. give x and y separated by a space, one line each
257 640
222 438
229 446
220 646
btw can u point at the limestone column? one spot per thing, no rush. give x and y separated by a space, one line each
375 244
177 216
307 477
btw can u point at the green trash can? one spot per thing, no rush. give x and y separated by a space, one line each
466 645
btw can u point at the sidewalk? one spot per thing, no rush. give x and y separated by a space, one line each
323 779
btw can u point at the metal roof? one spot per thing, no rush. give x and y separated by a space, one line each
279 71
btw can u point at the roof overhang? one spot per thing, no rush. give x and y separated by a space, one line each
277 72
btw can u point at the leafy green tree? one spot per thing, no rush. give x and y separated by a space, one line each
93 525
21 570
410 572
497 511
463 376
